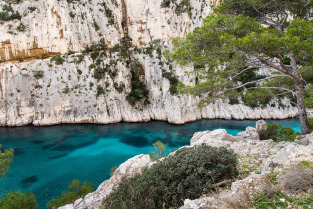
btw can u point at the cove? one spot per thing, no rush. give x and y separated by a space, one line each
48 158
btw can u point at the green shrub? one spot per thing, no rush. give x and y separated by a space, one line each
38 74
272 132
311 124
71 14
116 48
66 90
186 174
58 60
95 24
100 90
77 190
80 58
139 91
275 132
113 169
32 8
159 151
94 55
18 200
99 73
21 27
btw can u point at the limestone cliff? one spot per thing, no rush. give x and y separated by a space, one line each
37 90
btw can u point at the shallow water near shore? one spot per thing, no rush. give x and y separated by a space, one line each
48 158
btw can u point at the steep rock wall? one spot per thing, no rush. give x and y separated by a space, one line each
67 92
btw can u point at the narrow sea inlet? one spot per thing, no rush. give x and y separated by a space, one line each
47 159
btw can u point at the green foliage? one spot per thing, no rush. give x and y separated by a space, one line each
38 74
58 60
113 169
306 164
275 132
309 96
21 27
100 90
94 55
235 40
257 97
272 132
173 81
310 124
96 46
71 14
18 200
116 48
159 151
95 24
100 72
186 174
6 157
139 91
266 200
66 90
264 10
32 8
8 14
76 190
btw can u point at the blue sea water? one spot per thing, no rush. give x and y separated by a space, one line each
47 159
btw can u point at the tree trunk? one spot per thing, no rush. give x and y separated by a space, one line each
301 108
300 95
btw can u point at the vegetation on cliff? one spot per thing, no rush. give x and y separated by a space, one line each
243 36
76 190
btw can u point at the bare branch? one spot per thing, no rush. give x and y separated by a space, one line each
283 65
268 63
249 83
244 70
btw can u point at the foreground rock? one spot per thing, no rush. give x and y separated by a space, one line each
256 159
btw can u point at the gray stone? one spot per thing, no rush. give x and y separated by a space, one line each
304 140
260 125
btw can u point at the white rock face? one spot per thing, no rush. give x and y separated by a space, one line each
67 93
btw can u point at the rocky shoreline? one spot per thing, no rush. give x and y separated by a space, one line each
257 159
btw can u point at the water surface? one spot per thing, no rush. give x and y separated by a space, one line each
48 158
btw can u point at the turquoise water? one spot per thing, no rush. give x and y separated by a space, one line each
47 159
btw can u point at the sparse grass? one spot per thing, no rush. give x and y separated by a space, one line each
281 200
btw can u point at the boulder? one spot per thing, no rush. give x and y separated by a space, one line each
249 134
260 125
304 140
211 138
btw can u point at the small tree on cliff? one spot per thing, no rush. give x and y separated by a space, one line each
6 157
242 36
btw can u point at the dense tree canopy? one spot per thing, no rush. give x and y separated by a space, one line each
243 36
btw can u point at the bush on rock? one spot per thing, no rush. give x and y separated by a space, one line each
186 174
